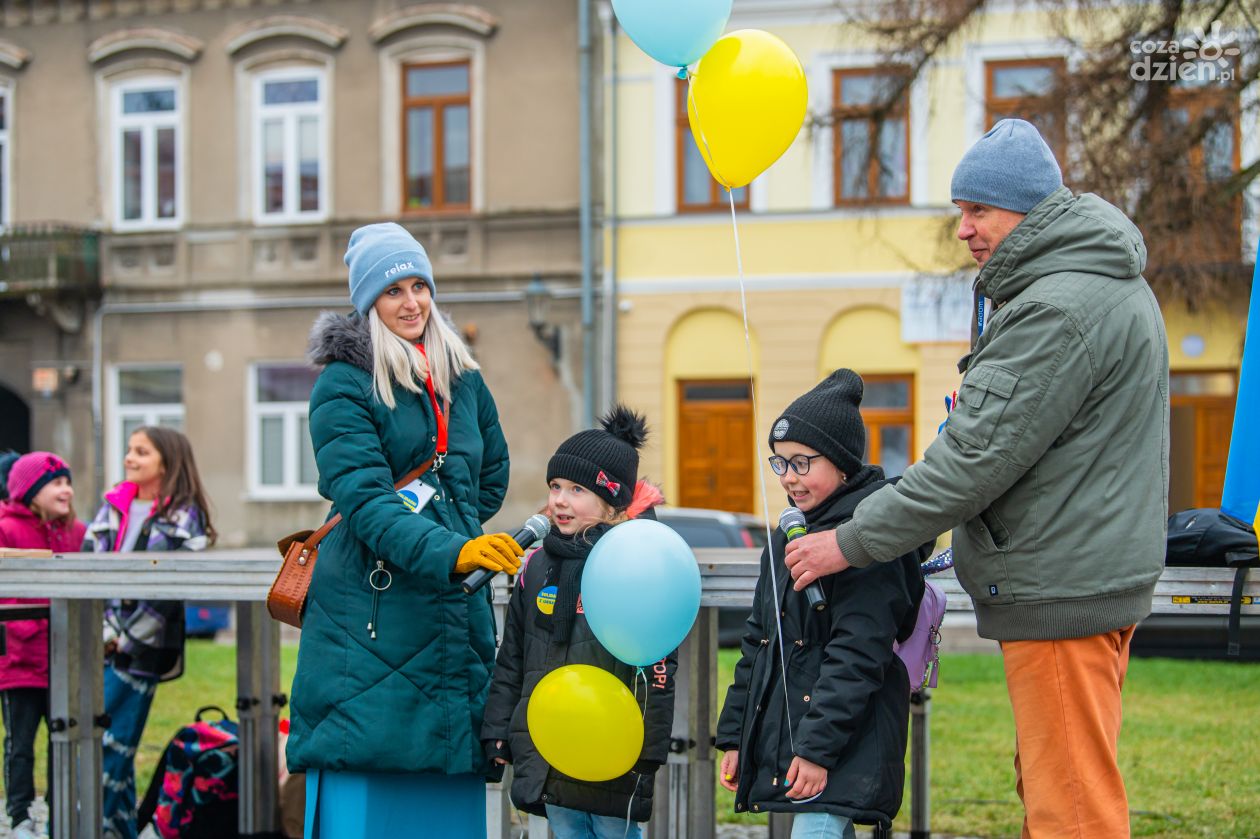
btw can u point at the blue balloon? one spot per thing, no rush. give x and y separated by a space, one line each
641 591
674 32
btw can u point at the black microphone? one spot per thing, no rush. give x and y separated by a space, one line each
535 527
792 523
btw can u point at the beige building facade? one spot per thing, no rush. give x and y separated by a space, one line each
212 158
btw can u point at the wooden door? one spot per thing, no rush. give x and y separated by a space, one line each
715 445
1202 423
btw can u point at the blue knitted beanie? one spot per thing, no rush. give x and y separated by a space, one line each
380 255
1009 167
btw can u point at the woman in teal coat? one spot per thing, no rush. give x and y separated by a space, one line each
395 660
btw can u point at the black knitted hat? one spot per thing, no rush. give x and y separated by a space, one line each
827 420
604 460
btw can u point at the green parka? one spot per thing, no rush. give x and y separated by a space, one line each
410 699
1053 467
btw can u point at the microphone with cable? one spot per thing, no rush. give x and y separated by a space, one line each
535 528
792 523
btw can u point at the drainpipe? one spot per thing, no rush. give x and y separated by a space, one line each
610 298
584 212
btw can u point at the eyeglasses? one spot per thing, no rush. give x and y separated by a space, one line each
799 464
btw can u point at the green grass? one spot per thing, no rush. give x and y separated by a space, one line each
1186 749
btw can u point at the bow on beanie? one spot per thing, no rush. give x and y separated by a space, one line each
828 420
32 472
380 255
1010 167
604 460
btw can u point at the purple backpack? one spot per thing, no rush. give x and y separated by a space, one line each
921 651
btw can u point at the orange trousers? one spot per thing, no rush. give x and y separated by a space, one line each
1066 699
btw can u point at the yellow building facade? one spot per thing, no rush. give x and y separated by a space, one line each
830 279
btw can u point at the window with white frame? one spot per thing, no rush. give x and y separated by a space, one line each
4 156
281 458
289 145
147 157
144 396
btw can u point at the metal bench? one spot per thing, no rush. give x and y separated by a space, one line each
79 583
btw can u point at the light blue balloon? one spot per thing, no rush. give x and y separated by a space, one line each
641 591
674 32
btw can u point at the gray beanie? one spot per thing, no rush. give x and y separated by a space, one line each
380 255
1010 167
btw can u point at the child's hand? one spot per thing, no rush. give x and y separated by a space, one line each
728 775
498 744
805 779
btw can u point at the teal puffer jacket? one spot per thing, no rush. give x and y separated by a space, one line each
411 698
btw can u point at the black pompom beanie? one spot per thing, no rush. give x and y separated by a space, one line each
604 460
828 420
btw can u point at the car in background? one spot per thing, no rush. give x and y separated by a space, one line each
718 529
204 620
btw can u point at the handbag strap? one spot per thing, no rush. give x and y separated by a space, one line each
318 536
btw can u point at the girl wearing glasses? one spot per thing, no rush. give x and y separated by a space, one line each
827 741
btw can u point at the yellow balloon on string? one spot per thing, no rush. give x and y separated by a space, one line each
746 104
585 723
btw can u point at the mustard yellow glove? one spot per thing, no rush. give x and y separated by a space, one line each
493 551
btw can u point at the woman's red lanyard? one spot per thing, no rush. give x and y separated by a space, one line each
438 413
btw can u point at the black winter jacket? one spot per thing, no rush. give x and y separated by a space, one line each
848 694
528 653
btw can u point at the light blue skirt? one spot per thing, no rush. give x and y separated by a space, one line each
370 805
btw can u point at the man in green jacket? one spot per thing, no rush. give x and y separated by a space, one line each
1052 471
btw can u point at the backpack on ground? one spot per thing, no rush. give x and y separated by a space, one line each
194 792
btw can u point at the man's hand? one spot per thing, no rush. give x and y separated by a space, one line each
813 556
805 779
728 775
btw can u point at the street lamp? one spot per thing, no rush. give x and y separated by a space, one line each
537 304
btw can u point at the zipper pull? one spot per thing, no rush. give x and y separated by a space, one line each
380 579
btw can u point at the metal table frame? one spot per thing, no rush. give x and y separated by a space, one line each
78 584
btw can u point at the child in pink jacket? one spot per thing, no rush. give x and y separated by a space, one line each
37 513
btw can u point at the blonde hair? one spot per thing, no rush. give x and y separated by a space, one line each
396 360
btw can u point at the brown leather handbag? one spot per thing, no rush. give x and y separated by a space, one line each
287 598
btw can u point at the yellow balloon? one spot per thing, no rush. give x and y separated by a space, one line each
746 104
585 723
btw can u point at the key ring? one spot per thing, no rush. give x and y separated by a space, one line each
389 578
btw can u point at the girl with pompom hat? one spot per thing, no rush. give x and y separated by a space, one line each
37 513
593 483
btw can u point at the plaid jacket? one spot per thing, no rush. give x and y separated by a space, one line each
149 633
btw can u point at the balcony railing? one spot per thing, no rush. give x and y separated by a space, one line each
49 259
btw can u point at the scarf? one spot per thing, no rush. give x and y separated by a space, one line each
568 555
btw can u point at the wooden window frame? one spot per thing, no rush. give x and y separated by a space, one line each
1195 100
439 104
994 105
875 418
682 136
841 113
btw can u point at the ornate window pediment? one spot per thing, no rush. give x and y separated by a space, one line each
145 38
460 15
13 56
286 26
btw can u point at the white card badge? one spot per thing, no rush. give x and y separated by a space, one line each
416 494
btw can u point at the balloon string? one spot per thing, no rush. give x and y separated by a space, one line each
704 141
761 473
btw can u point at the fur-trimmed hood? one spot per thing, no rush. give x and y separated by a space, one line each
338 337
